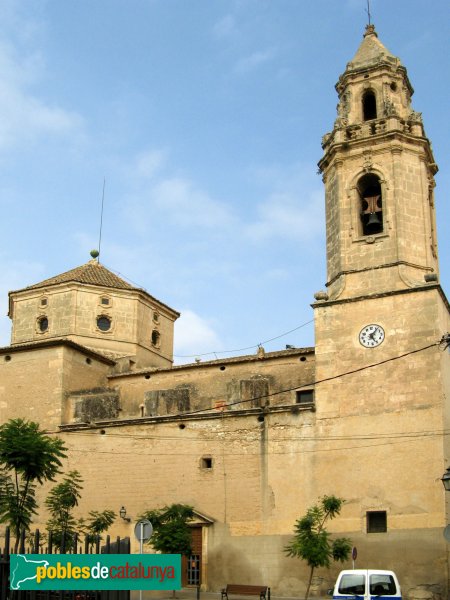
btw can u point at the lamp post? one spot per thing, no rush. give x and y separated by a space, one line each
446 480
123 514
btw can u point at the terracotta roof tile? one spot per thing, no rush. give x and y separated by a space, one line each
92 273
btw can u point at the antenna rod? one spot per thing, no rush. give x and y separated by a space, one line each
101 220
368 10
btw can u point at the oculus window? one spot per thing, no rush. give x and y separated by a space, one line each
104 323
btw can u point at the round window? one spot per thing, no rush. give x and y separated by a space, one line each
104 323
43 324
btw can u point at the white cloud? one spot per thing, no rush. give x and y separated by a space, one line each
175 200
294 207
194 334
253 61
225 27
14 275
149 163
288 216
189 205
24 115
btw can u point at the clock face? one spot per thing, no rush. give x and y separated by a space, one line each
371 335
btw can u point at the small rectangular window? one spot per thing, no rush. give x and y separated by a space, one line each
376 521
105 301
206 462
304 396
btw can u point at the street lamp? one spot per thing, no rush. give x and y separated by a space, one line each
446 480
123 514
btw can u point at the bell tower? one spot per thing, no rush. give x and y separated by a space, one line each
381 326
378 169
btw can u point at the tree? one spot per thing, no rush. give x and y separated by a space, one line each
27 456
61 501
312 542
171 532
97 523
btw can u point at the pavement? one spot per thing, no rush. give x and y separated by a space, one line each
191 594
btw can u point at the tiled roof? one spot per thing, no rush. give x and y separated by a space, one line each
92 273
57 342
370 52
219 361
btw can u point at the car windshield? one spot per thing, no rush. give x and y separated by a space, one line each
352 584
382 585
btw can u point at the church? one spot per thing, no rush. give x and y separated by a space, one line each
251 442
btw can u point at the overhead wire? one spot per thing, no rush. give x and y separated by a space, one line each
216 352
246 348
395 440
206 411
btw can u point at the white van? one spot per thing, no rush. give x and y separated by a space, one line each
367 584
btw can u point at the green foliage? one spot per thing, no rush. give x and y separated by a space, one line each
171 532
27 456
61 501
29 452
312 542
97 523
17 502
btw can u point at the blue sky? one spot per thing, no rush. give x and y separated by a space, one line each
205 118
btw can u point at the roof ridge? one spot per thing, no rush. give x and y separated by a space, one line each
91 273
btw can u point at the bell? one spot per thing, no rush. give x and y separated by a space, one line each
373 224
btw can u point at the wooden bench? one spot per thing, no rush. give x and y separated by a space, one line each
246 590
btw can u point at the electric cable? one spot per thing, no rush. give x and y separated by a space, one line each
303 385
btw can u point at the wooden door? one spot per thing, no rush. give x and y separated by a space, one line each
191 566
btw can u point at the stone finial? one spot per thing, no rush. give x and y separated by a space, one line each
370 30
321 296
261 352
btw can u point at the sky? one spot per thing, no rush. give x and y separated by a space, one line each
202 120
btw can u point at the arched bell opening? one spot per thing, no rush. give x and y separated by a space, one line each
369 105
369 188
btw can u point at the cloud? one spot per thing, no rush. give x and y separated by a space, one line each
188 205
178 201
294 207
253 61
25 116
288 216
15 275
149 163
194 334
224 28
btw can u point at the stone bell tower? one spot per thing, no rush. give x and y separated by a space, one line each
378 169
382 374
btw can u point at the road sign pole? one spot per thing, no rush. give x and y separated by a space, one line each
141 547
143 531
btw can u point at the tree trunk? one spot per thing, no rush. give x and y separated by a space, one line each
309 583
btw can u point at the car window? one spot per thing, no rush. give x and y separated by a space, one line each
382 585
353 584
